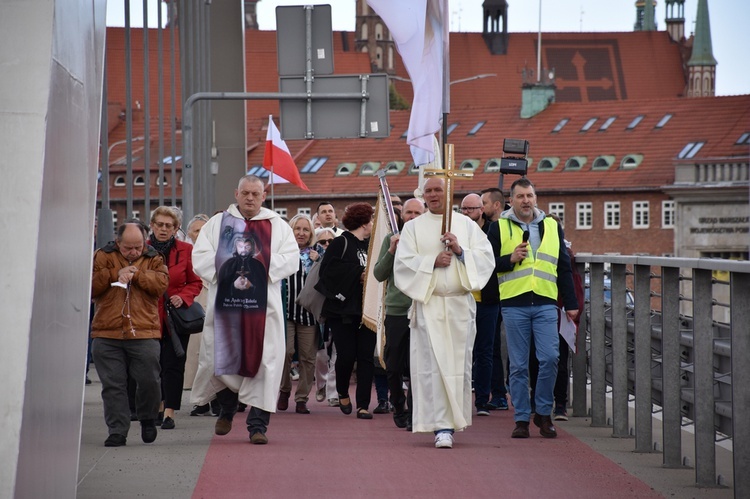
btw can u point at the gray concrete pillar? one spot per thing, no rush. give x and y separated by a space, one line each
52 55
227 58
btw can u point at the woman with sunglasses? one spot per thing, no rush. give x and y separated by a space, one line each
184 287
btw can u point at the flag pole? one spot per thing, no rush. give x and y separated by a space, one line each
272 200
273 208
446 70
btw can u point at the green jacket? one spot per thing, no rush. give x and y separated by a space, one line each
396 303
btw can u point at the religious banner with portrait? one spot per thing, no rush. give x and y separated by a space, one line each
242 260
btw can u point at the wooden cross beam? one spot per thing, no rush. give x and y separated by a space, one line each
448 173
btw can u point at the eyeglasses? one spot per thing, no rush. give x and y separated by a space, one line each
325 241
164 225
470 208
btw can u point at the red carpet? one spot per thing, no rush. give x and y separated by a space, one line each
327 454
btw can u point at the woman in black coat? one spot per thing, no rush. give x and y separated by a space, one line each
342 273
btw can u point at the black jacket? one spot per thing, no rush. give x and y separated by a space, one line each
340 273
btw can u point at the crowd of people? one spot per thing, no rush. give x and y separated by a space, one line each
447 292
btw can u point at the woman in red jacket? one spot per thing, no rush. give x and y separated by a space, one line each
184 286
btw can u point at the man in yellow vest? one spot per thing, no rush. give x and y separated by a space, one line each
532 266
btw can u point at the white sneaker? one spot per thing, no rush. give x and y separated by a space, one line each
320 395
444 440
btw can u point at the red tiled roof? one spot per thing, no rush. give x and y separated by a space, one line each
613 66
589 67
718 122
629 74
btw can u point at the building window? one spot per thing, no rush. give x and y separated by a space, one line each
547 164
558 209
413 169
171 159
137 214
163 181
603 162
607 123
667 214
346 169
476 128
492 166
139 180
259 171
303 211
575 163
280 211
612 215
119 181
744 139
114 218
560 125
663 121
631 161
635 122
394 167
452 127
369 168
588 124
690 150
584 216
640 214
469 164
314 164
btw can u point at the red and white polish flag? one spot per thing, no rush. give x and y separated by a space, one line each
278 160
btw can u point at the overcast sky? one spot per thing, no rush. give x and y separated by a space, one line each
729 24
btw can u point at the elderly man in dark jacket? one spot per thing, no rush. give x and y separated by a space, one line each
128 278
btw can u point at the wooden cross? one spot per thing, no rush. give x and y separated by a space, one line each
448 173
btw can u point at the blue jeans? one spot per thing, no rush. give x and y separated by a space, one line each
483 348
498 372
520 324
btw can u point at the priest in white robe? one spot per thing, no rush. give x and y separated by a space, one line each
223 372
439 272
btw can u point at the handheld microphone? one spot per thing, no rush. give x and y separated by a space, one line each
526 238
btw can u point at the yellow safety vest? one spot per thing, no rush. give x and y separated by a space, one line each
537 273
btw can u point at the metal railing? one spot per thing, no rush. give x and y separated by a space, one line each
684 340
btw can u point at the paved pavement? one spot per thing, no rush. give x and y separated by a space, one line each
328 454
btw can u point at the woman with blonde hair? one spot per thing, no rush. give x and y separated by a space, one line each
184 287
300 324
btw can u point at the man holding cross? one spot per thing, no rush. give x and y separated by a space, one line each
438 269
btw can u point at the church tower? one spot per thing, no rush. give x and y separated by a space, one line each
702 65
371 35
645 19
251 14
495 35
675 19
